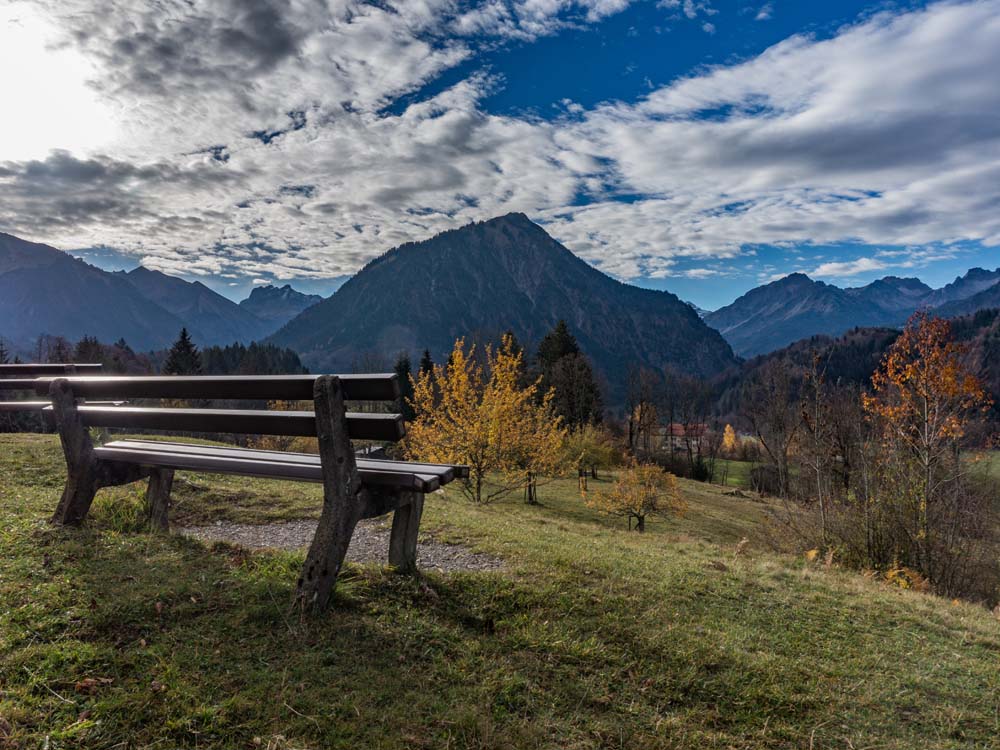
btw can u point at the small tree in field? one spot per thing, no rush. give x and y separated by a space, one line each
641 490
589 448
465 413
730 443
924 398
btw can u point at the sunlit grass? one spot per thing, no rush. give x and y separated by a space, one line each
592 637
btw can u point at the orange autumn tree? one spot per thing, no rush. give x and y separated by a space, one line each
923 398
640 490
482 416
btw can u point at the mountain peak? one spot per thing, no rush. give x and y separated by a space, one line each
277 305
488 277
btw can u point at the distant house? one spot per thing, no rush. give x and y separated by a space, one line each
680 437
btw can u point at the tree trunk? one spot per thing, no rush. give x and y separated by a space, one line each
640 523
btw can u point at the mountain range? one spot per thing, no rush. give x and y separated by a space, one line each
46 291
476 281
489 277
795 307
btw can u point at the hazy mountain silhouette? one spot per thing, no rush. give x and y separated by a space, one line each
277 305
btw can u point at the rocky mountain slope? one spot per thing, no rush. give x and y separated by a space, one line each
486 278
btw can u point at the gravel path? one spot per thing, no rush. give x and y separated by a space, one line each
370 543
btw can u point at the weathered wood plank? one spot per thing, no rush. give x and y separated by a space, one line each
444 472
367 387
265 469
388 427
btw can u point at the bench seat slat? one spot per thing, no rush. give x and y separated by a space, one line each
268 469
367 387
445 472
388 427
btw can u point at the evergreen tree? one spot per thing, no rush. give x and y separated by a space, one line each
183 358
426 363
556 344
88 350
568 373
4 353
403 371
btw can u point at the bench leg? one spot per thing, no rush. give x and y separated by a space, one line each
82 474
403 539
77 497
342 499
158 497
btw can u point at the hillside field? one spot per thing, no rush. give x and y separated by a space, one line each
590 637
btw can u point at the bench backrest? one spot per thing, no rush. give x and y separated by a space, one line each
21 377
360 426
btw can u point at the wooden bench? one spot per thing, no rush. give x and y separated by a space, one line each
353 488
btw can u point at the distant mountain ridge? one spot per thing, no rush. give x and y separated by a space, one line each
797 307
46 291
278 305
212 318
486 278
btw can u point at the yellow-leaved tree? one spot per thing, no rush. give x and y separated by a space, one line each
589 448
641 490
465 413
729 441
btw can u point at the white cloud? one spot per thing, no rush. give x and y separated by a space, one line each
765 12
810 142
848 268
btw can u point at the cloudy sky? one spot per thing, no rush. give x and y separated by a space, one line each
702 146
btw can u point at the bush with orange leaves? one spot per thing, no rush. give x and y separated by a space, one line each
640 490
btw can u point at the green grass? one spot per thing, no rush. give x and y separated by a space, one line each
734 473
592 637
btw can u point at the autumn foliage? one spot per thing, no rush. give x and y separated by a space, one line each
482 416
640 490
923 399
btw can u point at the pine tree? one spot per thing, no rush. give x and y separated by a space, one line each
556 344
568 373
404 373
4 353
426 363
88 350
183 358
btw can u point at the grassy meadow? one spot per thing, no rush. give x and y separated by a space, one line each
591 637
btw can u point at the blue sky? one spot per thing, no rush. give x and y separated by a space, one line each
700 146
